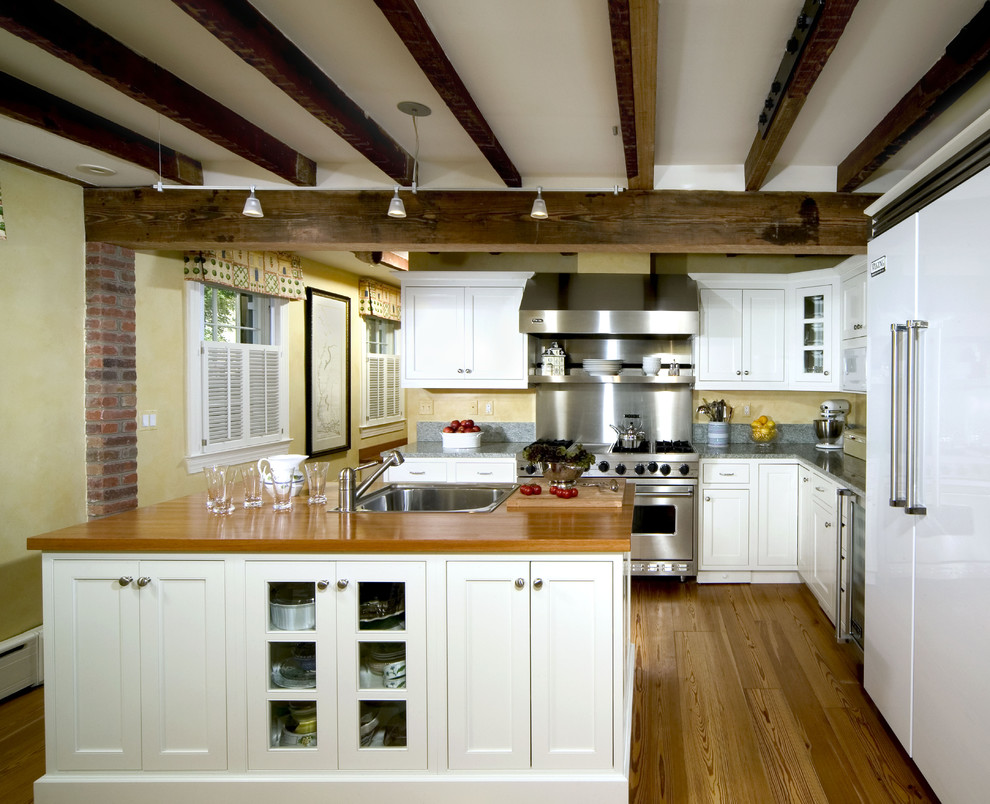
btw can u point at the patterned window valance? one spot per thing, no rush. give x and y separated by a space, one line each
378 300
273 273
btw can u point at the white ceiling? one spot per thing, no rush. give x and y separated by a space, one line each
541 73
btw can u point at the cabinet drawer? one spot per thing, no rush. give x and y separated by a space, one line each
418 471
823 491
484 471
734 473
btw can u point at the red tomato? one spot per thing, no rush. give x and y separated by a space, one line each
537 490
574 493
525 490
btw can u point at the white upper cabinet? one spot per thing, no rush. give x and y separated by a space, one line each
462 330
853 291
742 337
813 337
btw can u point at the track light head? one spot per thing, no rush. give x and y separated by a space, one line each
252 206
539 210
396 209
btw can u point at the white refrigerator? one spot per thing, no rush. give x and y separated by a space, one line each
927 651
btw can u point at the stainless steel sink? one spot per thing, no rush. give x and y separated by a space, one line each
443 498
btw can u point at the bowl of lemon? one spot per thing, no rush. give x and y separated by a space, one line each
763 430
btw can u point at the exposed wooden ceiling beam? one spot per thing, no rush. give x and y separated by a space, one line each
67 36
634 54
966 61
251 36
415 32
670 221
807 52
28 104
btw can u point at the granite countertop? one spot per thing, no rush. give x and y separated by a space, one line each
844 469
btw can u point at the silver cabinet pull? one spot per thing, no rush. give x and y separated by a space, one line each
805 479
819 489
520 583
342 583
125 580
912 467
538 583
420 472
843 568
726 474
143 581
896 500
322 584
484 474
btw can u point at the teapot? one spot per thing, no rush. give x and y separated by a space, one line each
630 438
281 468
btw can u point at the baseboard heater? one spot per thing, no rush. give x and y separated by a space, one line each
21 662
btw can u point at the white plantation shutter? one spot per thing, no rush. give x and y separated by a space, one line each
383 397
241 403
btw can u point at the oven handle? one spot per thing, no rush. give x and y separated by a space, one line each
668 491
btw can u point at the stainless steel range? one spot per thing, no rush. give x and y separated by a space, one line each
665 474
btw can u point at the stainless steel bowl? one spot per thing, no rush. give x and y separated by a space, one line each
829 429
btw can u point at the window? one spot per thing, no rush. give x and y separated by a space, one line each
238 399
383 397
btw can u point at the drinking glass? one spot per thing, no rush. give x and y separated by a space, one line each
282 492
219 488
252 486
316 476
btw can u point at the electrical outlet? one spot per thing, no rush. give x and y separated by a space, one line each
426 407
487 407
746 409
472 407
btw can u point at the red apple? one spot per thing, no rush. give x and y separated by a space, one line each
449 430
468 422
455 424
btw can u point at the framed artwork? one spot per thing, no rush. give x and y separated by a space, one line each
328 372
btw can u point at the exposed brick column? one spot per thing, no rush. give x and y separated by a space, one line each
111 381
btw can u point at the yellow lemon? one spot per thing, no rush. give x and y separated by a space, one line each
763 420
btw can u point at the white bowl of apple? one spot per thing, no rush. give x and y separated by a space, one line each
461 434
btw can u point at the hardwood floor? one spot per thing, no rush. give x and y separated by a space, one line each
743 695
22 745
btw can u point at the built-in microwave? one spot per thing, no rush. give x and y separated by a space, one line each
854 365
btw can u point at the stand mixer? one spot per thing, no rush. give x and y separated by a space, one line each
829 427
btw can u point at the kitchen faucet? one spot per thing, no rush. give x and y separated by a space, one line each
348 497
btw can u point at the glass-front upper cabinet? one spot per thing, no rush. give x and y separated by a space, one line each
814 349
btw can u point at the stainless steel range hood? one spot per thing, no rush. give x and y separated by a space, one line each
610 304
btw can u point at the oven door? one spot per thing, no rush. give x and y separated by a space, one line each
663 533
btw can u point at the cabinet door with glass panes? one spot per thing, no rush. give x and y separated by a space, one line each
291 656
815 348
381 665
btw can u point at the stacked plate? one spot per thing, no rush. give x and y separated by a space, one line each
602 367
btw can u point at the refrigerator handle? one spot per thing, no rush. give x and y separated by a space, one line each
912 471
896 501
843 568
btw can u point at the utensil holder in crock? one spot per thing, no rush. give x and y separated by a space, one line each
718 434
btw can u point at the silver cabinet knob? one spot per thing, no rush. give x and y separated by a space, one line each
738 373
467 371
322 584
538 583
708 499
826 373
746 372
460 371
342 583
520 583
805 479
125 580
144 580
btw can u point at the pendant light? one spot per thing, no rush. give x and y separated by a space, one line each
539 210
396 209
252 206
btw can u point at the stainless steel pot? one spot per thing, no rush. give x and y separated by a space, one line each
630 438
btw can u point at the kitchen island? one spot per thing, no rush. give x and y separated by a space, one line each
381 656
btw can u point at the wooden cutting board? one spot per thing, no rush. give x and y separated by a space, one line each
588 497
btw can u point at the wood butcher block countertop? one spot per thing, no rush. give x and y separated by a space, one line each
184 525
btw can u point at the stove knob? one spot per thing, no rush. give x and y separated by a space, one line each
530 470
665 469
620 469
684 469
640 469
603 466
652 466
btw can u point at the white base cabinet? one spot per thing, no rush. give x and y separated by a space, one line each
453 470
819 537
136 675
749 519
528 683
346 677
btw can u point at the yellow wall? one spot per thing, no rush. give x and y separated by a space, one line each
784 407
42 265
162 473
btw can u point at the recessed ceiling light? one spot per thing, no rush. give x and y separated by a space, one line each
414 109
97 170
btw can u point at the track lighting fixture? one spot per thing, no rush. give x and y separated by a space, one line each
252 206
539 210
396 209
